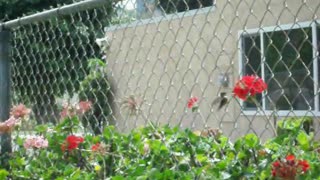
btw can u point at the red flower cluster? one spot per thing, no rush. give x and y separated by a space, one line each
249 86
95 147
71 142
99 148
192 102
289 168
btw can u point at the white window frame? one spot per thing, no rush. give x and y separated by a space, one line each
315 56
166 17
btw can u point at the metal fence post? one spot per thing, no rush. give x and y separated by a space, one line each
5 93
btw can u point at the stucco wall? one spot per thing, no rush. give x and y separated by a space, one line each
168 60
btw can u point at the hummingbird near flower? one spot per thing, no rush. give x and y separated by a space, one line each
222 99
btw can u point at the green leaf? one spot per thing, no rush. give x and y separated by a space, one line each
230 156
222 165
3 174
223 141
184 166
241 155
19 141
108 132
93 63
41 128
303 140
202 158
251 140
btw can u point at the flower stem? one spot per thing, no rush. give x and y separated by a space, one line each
254 100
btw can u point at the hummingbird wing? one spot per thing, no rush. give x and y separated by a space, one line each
223 102
216 101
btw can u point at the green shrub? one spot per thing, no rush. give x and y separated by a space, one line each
294 124
159 153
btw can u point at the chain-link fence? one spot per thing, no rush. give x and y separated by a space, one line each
141 60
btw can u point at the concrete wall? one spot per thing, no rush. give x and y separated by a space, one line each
170 59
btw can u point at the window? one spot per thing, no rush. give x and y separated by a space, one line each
173 6
286 57
154 8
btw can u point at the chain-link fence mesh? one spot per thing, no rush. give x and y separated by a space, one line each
141 60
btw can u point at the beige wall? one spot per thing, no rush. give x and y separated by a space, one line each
167 61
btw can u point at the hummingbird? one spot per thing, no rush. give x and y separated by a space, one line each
222 99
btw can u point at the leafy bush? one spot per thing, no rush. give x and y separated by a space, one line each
157 153
290 124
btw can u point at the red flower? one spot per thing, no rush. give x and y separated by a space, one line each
71 142
95 147
100 148
289 168
290 158
192 101
276 164
304 165
249 86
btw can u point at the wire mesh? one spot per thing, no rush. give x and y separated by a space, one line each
141 60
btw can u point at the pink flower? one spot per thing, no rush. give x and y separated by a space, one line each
66 112
27 144
35 142
249 86
12 121
192 102
20 111
84 106
78 109
8 125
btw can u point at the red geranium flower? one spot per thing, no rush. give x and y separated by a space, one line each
71 142
290 158
249 86
192 101
276 164
304 165
95 147
289 168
